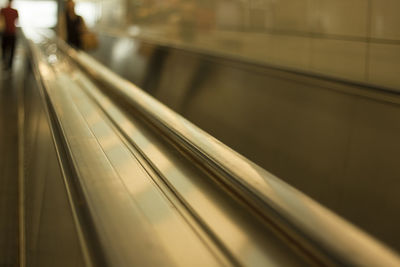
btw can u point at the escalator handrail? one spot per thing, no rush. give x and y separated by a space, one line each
290 211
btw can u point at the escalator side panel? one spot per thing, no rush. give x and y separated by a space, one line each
336 142
51 237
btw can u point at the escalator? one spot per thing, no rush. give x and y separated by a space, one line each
335 140
112 177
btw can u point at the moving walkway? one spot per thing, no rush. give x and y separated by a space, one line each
112 177
334 140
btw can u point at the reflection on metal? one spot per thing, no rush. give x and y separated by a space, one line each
330 39
320 136
21 175
157 190
51 234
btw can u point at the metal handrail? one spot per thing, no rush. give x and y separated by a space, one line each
312 227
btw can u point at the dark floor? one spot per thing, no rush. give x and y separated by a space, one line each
8 170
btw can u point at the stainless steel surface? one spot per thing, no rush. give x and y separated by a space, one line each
272 198
50 233
146 187
334 141
8 165
137 218
245 241
356 40
130 229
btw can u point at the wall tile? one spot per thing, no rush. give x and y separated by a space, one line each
291 51
260 19
384 65
230 15
291 15
243 29
344 59
340 17
258 46
385 21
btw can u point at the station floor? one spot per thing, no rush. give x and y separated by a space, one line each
9 165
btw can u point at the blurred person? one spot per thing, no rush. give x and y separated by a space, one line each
9 38
74 25
72 29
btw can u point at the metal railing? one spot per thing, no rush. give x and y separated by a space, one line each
316 232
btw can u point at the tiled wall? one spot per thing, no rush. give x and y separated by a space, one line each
356 40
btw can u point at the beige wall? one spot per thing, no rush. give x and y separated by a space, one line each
356 40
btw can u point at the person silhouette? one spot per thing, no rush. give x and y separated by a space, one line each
75 25
9 38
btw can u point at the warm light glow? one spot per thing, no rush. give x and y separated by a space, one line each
38 14
89 12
